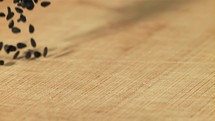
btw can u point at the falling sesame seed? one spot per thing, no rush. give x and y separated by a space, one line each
37 54
10 13
28 55
11 24
15 1
21 45
9 48
33 43
1 45
18 10
22 18
16 55
35 1
8 9
1 62
45 3
6 48
45 52
29 5
31 28
2 14
16 30
20 7
12 48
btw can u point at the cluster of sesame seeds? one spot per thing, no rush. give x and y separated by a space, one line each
19 7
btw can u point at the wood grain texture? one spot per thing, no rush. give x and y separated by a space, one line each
115 60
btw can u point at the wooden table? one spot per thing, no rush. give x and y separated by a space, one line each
114 60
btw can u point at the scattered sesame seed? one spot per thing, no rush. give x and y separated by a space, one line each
21 6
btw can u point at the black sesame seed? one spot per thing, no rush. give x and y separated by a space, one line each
12 48
15 1
45 52
1 62
2 14
33 43
35 1
1 45
16 30
11 24
29 4
21 5
9 9
31 28
5 46
10 13
28 55
22 18
6 49
37 54
21 45
18 10
45 3
16 55
9 48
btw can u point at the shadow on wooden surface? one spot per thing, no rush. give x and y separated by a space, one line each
126 16
131 14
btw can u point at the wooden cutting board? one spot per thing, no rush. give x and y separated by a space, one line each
115 60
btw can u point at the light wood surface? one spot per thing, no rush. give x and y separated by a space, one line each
113 60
